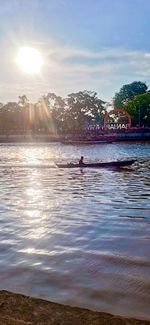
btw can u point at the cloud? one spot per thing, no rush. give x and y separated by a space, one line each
108 67
107 60
69 69
86 68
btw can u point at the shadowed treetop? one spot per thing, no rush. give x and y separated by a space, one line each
128 92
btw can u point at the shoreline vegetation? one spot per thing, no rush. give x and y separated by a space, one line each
17 309
79 113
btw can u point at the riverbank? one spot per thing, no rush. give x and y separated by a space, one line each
76 139
17 309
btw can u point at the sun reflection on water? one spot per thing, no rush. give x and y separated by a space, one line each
31 157
34 216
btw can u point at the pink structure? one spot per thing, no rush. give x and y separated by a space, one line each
117 119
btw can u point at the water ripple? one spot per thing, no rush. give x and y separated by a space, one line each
76 236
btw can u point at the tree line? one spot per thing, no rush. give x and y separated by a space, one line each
135 99
54 114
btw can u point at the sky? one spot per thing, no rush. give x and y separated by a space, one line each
97 45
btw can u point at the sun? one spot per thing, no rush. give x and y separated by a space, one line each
29 60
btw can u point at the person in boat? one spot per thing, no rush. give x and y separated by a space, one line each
81 163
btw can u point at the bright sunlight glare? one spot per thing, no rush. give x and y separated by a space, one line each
29 60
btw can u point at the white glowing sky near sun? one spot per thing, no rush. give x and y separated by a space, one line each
29 60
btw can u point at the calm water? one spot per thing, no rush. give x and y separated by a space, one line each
76 236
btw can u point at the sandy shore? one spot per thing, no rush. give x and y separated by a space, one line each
16 309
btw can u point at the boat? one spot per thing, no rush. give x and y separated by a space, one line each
110 164
84 142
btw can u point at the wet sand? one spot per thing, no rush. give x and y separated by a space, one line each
17 309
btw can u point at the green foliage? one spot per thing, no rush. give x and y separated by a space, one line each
23 101
52 107
82 107
12 117
128 92
52 113
139 109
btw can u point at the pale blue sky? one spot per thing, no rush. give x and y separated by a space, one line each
88 44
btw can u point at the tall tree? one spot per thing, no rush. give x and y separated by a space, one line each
83 107
128 92
24 106
52 107
9 117
23 101
139 110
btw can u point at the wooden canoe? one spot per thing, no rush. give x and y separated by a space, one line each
109 164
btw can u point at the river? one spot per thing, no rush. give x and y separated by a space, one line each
76 236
